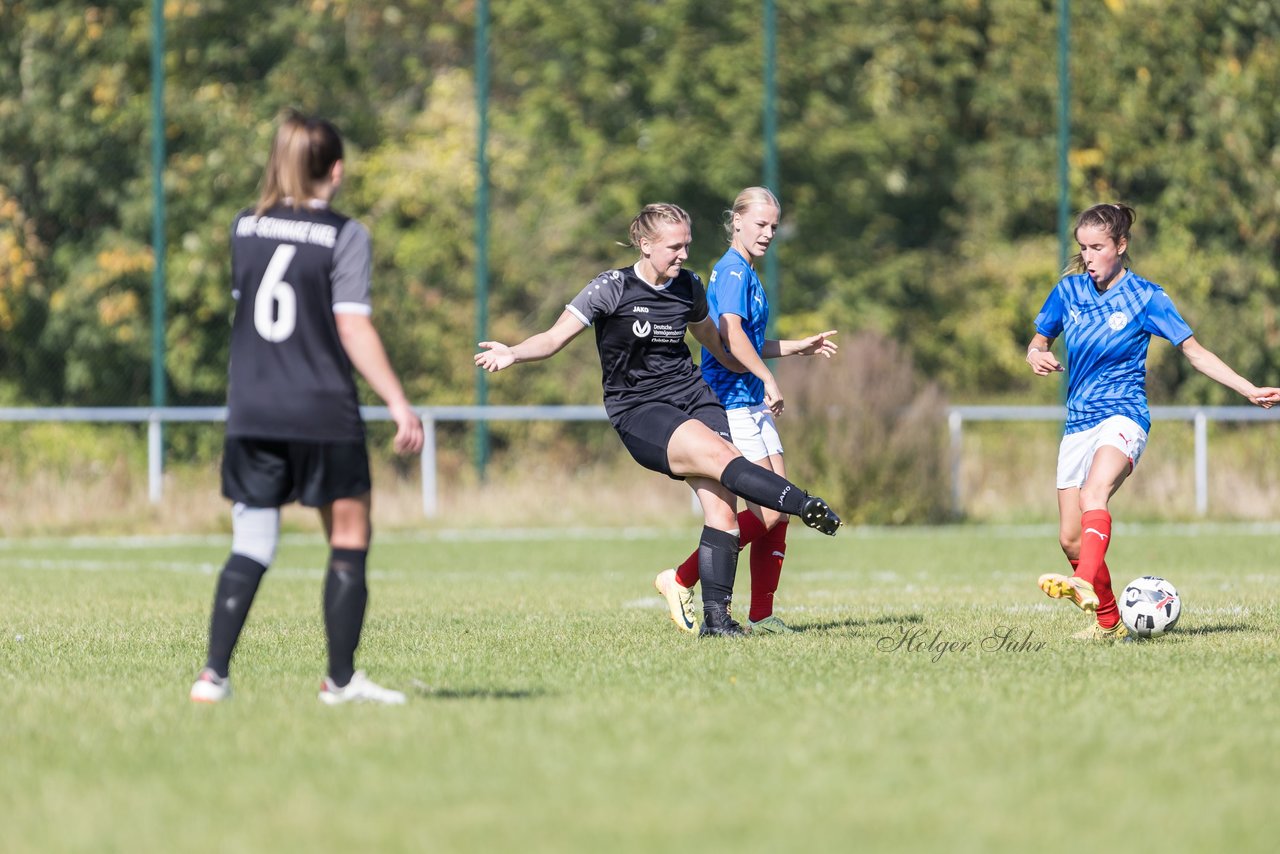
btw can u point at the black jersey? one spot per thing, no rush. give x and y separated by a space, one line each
640 333
290 377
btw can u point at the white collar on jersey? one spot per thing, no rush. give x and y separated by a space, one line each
635 268
314 204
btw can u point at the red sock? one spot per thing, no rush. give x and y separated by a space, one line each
1094 539
750 529
766 568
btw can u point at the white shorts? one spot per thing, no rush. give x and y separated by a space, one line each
1075 454
754 432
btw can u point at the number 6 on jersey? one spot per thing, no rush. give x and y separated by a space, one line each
275 308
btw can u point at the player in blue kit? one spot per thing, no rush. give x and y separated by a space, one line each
657 401
739 305
1108 314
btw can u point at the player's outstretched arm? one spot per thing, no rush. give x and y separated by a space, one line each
364 348
815 345
1040 358
544 345
1215 369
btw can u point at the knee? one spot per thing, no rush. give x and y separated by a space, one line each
1070 546
255 531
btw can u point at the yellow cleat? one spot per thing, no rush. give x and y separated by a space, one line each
679 600
1079 591
1097 633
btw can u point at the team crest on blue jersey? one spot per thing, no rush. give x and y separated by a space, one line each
1118 321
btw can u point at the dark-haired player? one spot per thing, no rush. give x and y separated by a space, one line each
1108 314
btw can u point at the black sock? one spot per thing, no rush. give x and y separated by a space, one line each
345 596
763 486
717 565
237 585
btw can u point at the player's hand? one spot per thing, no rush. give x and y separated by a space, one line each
1266 397
409 435
819 345
496 357
1043 362
773 398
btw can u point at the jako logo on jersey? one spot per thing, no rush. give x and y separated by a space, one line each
1117 321
639 309
641 329
1103 536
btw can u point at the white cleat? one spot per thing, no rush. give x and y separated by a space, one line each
209 687
359 690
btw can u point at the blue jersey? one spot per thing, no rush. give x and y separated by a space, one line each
736 289
1107 336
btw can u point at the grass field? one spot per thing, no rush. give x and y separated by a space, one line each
554 708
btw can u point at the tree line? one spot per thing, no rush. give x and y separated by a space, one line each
918 172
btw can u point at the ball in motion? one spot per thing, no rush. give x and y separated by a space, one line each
1150 606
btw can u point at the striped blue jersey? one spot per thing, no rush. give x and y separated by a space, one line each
1107 336
735 288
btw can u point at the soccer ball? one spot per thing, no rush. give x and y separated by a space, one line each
1150 606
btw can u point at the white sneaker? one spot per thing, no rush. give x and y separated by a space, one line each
209 687
359 690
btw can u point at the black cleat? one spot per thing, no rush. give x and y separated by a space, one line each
717 621
816 514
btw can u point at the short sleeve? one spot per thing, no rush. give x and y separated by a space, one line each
352 270
730 292
598 299
1162 319
1050 320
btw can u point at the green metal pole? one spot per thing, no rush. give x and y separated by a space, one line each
771 178
1064 129
482 223
1065 238
158 246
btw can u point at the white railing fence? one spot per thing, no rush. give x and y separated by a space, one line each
957 417
1199 416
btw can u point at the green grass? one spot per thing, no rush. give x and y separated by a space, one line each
553 706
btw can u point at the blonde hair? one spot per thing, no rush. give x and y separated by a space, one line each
748 197
1115 220
651 219
302 156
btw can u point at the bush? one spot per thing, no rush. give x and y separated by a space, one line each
867 434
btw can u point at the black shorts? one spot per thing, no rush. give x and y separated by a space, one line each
646 429
274 472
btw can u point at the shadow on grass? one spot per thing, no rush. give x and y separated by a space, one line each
440 693
1220 629
853 625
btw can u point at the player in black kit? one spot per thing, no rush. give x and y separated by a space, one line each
301 276
656 399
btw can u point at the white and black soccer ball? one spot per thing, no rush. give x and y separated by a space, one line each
1150 606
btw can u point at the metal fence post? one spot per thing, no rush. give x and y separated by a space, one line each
955 426
1202 462
430 499
155 457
